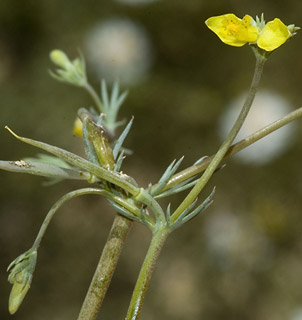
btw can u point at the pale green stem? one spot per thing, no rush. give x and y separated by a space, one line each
242 144
158 240
226 144
94 97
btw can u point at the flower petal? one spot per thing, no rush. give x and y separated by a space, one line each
273 35
232 30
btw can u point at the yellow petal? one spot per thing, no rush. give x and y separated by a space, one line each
273 35
78 127
232 30
249 32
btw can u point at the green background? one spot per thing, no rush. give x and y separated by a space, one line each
176 109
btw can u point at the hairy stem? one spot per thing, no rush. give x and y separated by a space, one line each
225 145
105 268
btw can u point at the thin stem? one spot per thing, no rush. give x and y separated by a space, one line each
105 268
226 144
94 97
242 144
139 293
57 205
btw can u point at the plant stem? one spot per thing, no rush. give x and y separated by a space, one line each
158 240
226 144
94 97
242 144
105 268
58 204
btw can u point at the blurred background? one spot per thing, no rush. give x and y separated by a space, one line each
242 259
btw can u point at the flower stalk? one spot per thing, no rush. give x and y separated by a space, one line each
260 60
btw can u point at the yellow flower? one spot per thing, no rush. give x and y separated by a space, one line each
232 30
273 35
237 32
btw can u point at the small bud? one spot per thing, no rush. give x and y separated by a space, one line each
21 273
72 72
60 59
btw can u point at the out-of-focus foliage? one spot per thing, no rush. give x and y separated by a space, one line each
242 260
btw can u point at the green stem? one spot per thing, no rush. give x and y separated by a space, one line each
57 205
226 144
158 240
105 268
76 193
94 97
242 144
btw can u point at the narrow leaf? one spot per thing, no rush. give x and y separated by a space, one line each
166 176
206 203
114 94
121 139
105 98
184 185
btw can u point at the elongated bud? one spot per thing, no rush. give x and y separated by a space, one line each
21 273
100 142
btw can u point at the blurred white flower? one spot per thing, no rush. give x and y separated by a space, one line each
232 241
134 2
267 107
119 49
297 314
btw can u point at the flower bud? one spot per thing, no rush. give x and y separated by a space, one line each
59 58
72 72
21 273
